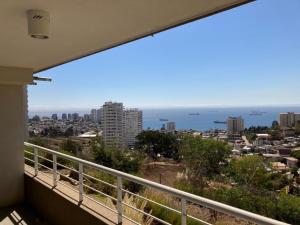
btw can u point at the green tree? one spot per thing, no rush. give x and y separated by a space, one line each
296 154
127 161
281 206
289 208
258 129
38 141
248 170
297 129
275 125
52 131
101 155
274 181
264 204
69 132
155 142
203 158
36 118
275 134
71 146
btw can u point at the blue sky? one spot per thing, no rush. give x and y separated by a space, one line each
246 56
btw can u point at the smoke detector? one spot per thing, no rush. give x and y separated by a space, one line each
38 24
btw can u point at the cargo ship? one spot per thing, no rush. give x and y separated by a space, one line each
194 114
218 121
255 114
162 119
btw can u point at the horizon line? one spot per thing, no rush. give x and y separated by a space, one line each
161 107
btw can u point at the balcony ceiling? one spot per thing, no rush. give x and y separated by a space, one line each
82 27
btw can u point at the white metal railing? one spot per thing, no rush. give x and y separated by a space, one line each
183 196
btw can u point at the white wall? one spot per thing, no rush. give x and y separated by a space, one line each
13 118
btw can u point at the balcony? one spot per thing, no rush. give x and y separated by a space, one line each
69 199
46 195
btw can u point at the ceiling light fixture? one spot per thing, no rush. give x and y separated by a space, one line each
38 24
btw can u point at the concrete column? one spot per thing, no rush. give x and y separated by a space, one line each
13 121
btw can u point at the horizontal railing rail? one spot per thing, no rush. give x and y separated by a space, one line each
183 196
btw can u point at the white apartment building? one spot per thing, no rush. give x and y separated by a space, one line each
289 119
99 113
235 125
112 124
171 126
297 119
94 115
133 125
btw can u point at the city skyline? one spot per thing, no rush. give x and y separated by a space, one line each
217 61
84 110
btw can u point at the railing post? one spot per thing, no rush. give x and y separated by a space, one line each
36 161
183 211
54 170
119 199
80 179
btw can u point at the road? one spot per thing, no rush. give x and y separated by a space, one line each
246 140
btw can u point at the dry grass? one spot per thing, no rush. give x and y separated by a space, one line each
139 217
194 210
167 171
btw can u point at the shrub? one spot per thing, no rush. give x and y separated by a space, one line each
98 185
163 213
283 207
185 185
127 161
71 146
289 208
132 186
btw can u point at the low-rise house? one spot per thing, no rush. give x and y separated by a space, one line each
291 161
272 157
276 142
263 136
236 152
222 137
246 150
278 166
288 132
284 151
195 134
290 139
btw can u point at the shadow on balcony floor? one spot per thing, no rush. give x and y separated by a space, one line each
60 205
20 215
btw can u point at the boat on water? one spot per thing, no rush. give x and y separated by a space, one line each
162 119
194 114
256 113
218 121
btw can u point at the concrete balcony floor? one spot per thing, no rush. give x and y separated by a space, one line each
60 205
21 214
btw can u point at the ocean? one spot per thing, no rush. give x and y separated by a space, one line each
204 118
